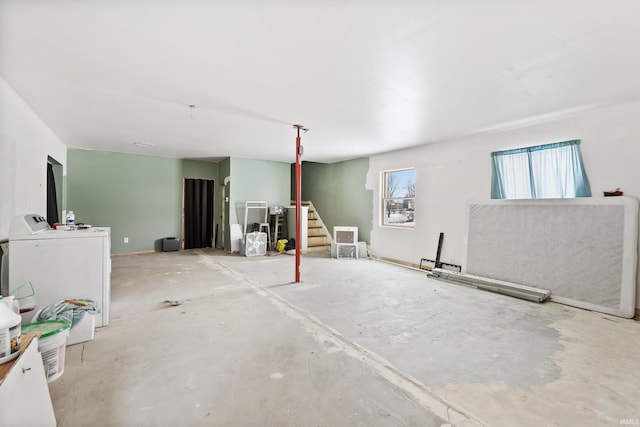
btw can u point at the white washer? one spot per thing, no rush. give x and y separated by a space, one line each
61 265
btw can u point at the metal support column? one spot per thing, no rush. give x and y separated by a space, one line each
298 199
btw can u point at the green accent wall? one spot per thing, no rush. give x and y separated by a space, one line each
139 197
256 180
338 192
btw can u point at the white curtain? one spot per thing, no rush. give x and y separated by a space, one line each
540 172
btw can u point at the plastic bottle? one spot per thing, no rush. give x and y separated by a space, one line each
71 218
9 331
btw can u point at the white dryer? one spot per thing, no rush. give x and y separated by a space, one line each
61 265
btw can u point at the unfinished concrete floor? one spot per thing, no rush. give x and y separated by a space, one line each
357 343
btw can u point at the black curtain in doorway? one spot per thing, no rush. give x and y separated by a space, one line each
52 199
198 213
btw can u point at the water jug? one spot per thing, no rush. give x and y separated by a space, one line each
9 329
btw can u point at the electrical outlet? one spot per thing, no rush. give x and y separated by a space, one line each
126 240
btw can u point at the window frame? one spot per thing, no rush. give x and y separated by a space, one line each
408 212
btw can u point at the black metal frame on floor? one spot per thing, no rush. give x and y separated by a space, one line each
437 263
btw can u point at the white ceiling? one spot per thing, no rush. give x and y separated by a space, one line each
364 76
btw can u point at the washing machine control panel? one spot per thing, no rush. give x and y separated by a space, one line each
29 224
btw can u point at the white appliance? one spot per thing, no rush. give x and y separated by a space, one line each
61 265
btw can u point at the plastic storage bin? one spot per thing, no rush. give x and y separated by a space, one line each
170 244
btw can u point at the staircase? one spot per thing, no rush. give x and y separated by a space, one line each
318 237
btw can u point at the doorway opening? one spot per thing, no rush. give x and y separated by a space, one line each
197 214
54 190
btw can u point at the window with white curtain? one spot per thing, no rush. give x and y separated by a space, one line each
540 172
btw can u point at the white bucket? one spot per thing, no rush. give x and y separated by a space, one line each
52 345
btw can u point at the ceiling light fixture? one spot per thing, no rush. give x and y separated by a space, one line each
142 144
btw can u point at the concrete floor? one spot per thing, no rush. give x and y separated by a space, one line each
357 343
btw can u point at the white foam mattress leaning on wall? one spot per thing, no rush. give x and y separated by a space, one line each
583 250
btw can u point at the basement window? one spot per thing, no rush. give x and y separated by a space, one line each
549 171
398 198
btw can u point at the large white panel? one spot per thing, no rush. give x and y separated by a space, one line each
583 250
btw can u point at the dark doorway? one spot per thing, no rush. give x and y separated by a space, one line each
52 196
198 213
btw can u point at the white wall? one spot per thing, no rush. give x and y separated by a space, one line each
25 143
450 173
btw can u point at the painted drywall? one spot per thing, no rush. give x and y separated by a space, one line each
339 194
451 173
256 180
198 169
139 197
25 144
